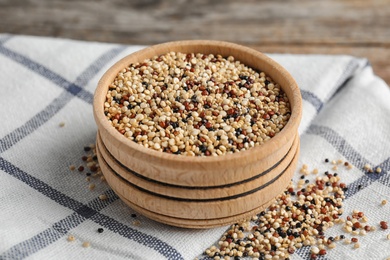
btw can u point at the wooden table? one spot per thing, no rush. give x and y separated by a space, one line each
354 27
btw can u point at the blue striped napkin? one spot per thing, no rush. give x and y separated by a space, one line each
46 119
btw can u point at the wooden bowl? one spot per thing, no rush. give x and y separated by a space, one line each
192 192
180 188
201 208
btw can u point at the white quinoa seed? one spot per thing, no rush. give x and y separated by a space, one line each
86 244
315 250
71 238
164 101
103 197
91 186
367 167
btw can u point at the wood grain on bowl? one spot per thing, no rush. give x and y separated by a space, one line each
196 192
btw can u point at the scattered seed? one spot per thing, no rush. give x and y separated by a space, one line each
103 197
388 237
72 167
91 186
357 245
61 124
368 168
86 244
384 202
71 238
383 225
315 250
100 230
347 241
81 168
334 168
136 223
322 252
378 170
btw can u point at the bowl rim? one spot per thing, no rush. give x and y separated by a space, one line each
267 147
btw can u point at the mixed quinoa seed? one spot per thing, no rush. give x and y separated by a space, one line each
90 168
298 218
196 104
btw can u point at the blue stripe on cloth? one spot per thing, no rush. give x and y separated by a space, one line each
84 212
339 143
43 239
342 146
58 103
341 81
369 178
4 38
39 185
48 74
385 179
312 99
57 230
35 122
160 246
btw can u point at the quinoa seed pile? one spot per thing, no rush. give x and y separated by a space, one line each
196 104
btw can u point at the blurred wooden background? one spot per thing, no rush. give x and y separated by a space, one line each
355 27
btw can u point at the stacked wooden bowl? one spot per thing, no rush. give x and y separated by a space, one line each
199 192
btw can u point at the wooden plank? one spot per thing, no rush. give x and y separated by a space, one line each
354 27
250 22
379 57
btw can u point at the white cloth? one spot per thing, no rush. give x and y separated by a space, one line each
44 81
